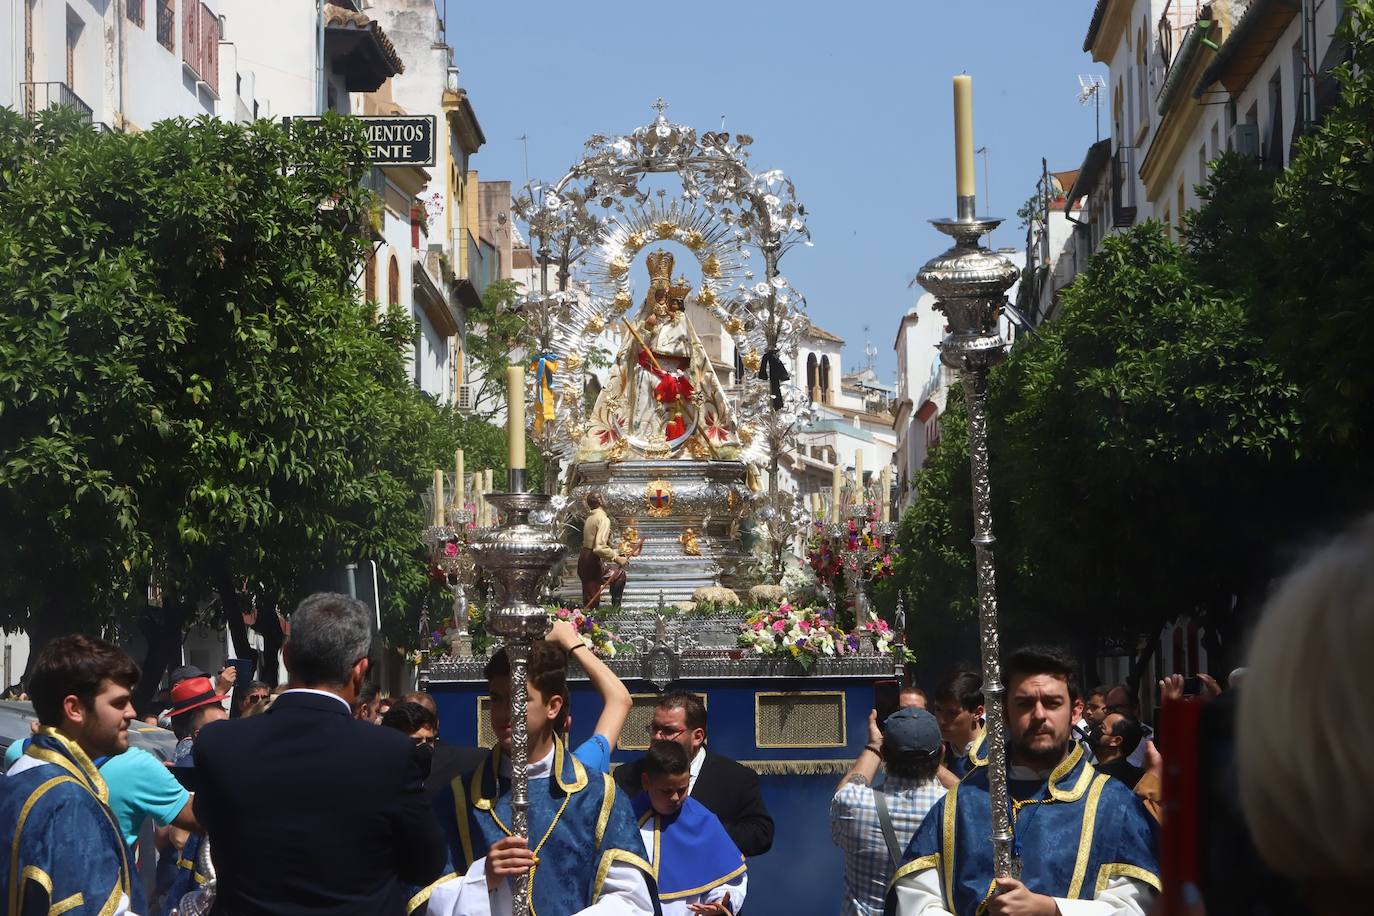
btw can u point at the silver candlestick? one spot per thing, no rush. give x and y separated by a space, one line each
970 284
517 557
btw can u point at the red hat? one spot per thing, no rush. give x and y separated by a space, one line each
192 693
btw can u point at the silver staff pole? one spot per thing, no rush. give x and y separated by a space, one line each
970 284
517 556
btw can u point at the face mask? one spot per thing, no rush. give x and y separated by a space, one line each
1095 737
424 755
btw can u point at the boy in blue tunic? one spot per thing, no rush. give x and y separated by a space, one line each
1086 844
698 868
583 855
67 852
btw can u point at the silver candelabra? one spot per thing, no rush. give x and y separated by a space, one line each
517 557
970 284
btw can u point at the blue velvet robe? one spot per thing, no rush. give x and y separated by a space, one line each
1075 833
188 875
67 849
579 825
976 757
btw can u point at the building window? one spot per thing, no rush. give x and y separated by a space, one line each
74 25
811 389
134 10
393 282
1180 201
370 278
1274 152
167 24
825 379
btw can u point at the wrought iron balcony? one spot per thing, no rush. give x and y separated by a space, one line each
42 96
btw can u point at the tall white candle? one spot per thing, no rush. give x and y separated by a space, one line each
963 135
887 493
515 417
835 481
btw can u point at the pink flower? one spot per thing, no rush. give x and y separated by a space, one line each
450 549
779 626
804 625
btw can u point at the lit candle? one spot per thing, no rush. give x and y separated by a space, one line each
887 493
458 487
859 473
437 516
835 480
515 417
963 134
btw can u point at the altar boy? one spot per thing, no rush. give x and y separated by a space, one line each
698 868
583 854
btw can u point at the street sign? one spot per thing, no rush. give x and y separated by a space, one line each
395 139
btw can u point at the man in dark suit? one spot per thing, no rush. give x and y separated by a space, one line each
449 759
728 789
308 810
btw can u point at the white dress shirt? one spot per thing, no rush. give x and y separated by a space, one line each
697 760
623 893
736 888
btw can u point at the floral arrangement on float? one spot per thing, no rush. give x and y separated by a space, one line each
882 636
807 634
595 634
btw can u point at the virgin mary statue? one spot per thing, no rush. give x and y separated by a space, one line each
663 399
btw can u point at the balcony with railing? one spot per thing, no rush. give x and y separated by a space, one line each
42 96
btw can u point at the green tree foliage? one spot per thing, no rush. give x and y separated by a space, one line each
1194 416
190 388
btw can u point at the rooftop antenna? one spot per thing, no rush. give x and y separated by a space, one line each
1090 90
525 139
870 351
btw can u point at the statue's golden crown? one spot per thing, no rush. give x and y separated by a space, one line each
660 264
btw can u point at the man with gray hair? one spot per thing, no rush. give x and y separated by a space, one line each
309 810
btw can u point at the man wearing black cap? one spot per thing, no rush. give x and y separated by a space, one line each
874 825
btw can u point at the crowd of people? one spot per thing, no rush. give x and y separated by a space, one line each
326 797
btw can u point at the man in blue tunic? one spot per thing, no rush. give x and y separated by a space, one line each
1085 841
584 853
67 853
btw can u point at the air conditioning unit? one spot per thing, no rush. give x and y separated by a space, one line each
466 395
1245 140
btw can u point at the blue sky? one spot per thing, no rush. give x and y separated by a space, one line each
851 100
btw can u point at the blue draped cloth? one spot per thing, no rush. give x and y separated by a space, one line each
963 764
579 825
67 849
692 852
1075 833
